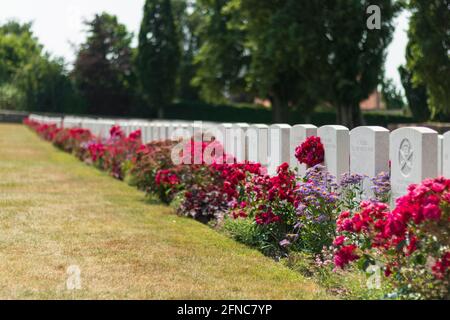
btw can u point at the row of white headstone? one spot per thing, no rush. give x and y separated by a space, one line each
410 154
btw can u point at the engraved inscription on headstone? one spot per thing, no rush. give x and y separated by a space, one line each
414 157
406 157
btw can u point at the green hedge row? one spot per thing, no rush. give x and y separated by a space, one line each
227 113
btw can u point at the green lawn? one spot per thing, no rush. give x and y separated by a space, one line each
56 212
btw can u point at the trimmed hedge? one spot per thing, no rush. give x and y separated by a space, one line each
228 113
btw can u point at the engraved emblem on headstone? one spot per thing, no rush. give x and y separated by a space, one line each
406 155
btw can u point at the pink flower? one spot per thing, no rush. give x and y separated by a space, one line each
166 177
339 241
135 135
442 266
116 132
345 255
432 212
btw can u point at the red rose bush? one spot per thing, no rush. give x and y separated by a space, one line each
311 152
285 214
411 241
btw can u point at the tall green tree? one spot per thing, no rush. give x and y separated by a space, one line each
416 95
285 52
415 90
392 96
187 20
158 56
103 70
46 86
298 53
17 47
429 34
355 53
222 59
31 79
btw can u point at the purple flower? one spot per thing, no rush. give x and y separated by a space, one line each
298 225
381 186
285 243
321 218
318 175
351 179
301 209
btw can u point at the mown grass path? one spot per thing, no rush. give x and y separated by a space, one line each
56 212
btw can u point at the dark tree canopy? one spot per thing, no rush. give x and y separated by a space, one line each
298 54
29 78
158 54
355 54
103 68
222 59
429 56
17 47
187 20
416 95
295 53
392 96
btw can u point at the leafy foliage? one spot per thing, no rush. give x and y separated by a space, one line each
221 57
356 54
187 20
430 46
411 241
29 78
17 47
416 95
103 71
391 95
295 53
284 214
158 55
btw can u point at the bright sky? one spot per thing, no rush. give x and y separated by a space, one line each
58 24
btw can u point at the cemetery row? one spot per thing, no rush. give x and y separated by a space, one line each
330 223
410 154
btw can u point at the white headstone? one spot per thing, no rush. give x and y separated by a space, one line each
222 128
106 127
213 132
71 122
182 131
213 152
413 154
156 127
279 147
197 127
257 144
130 127
369 150
336 141
197 135
172 126
146 133
127 127
235 141
163 131
446 155
150 132
440 154
299 133
369 153
188 131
